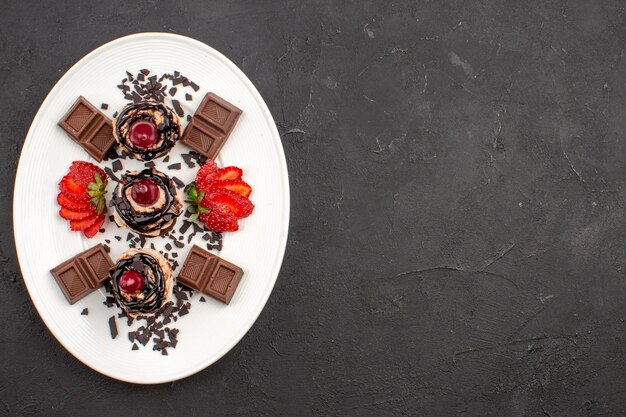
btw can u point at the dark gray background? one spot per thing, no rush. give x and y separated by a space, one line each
457 229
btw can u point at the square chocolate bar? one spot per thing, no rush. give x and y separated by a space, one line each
211 125
89 127
210 274
82 274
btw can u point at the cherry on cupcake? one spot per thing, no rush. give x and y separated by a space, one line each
143 133
131 282
145 192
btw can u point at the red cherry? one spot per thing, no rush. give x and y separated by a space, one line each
145 192
131 282
143 133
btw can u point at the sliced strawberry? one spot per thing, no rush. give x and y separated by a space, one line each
206 175
70 186
237 186
73 205
92 230
229 173
220 219
83 223
68 214
240 206
82 198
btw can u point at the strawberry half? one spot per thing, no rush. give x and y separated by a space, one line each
220 218
237 186
84 172
229 173
240 206
92 230
206 174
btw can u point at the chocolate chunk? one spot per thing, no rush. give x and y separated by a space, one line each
188 97
189 118
135 347
119 238
84 312
168 246
113 327
107 249
195 86
179 245
82 274
104 106
175 166
166 159
173 91
89 127
202 300
149 164
211 125
210 274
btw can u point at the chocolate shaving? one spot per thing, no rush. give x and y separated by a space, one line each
111 175
178 108
117 165
113 327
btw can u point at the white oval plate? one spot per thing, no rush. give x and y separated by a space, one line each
43 239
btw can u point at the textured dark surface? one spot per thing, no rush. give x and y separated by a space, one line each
457 230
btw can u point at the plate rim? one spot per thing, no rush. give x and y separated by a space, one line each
284 185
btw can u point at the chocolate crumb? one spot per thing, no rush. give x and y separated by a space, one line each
113 327
84 312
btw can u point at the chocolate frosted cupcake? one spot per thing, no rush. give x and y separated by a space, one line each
147 130
142 282
146 202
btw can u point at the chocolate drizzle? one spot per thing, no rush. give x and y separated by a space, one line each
169 130
146 222
154 288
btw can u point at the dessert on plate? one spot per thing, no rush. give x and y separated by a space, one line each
147 130
142 282
146 202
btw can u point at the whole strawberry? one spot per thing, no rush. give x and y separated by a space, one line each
82 197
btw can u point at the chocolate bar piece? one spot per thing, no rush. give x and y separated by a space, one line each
89 127
211 125
82 274
210 274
